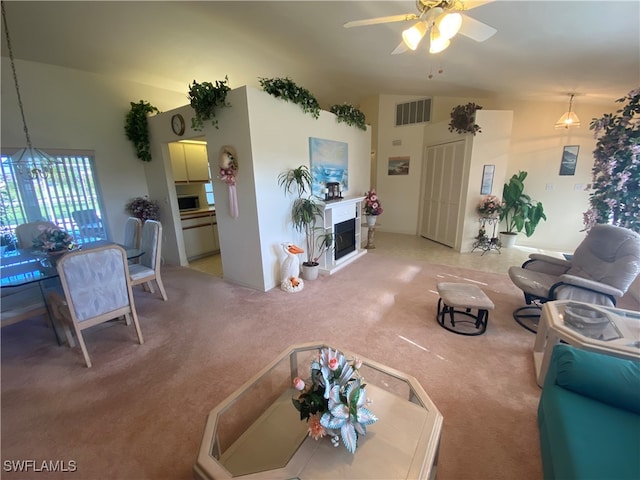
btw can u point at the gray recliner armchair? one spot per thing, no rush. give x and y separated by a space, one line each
600 271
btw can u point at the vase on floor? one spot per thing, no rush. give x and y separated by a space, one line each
371 220
508 239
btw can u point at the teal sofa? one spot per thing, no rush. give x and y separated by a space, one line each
589 416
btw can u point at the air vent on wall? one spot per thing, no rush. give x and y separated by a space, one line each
410 113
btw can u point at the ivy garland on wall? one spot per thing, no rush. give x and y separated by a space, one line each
286 89
350 115
463 119
136 128
205 98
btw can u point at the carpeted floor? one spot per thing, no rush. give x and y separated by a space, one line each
139 413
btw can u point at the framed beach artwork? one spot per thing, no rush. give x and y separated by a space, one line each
487 179
398 166
569 160
329 164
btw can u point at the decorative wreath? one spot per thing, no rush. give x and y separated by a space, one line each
228 164
463 119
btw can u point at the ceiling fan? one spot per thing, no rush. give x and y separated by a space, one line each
442 19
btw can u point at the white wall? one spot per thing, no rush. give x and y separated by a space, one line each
73 110
535 146
270 136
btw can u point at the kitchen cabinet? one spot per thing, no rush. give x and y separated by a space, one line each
189 162
200 234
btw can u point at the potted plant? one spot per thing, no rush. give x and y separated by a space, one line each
615 197
143 208
372 207
463 119
205 98
136 127
518 211
306 212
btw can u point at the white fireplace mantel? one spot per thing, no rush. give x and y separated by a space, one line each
337 211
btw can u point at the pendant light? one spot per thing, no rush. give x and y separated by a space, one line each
568 119
30 162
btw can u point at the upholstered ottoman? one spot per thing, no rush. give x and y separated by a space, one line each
466 297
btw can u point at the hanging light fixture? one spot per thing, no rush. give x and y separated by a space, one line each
29 161
437 42
412 36
449 24
568 119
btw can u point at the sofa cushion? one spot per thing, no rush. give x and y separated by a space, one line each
611 380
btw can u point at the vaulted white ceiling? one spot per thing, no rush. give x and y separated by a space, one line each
542 50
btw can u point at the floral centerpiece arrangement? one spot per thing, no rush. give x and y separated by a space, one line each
372 205
53 240
143 208
334 399
489 206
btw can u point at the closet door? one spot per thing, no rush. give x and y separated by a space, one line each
442 191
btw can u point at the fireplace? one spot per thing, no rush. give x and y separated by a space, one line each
345 237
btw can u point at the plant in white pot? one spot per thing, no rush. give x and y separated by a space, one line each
306 214
518 211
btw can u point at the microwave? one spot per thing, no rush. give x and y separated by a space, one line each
188 202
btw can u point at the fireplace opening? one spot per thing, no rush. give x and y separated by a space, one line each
345 237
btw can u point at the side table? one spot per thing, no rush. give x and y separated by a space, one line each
483 242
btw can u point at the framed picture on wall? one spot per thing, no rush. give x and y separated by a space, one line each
569 160
329 164
487 179
398 166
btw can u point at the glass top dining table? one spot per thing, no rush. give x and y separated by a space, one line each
24 266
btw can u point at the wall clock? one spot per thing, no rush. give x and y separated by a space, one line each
177 124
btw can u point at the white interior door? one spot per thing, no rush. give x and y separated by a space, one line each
441 192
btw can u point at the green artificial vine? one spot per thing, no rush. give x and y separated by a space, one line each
205 98
136 127
350 115
286 89
463 119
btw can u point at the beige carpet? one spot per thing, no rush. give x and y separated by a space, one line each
139 413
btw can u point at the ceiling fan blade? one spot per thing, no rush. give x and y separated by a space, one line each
407 17
401 48
469 4
476 30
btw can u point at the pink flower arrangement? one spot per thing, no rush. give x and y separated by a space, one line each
372 205
489 206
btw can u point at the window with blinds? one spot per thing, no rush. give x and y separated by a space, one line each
410 113
68 197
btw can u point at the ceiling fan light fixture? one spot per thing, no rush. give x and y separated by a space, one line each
568 119
412 36
437 42
449 24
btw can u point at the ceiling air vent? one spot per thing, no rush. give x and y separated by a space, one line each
418 111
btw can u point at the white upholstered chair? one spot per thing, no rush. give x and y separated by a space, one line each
27 232
148 269
21 303
96 289
132 228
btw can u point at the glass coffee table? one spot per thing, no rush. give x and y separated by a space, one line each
257 433
591 327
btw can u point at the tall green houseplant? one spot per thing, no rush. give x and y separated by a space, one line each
306 212
616 171
518 211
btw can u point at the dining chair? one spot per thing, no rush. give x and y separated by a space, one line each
88 223
148 269
96 289
21 303
27 232
132 228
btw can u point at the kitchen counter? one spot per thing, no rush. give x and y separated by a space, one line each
203 212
